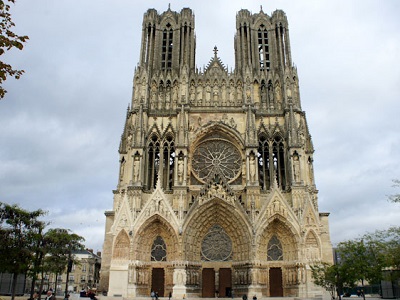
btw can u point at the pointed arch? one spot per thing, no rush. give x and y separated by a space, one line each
153 160
151 231
284 234
312 246
263 48
279 160
121 246
217 212
168 161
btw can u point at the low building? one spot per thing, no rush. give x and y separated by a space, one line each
85 274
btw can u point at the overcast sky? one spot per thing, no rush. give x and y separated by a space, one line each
60 124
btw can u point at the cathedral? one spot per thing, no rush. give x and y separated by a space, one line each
216 194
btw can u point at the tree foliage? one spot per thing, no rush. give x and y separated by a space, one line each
327 276
361 260
387 242
395 198
26 247
8 41
18 232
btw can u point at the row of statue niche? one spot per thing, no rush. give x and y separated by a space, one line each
291 276
167 96
241 277
192 277
271 97
142 277
215 95
164 97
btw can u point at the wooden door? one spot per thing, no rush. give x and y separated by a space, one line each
275 282
225 282
157 281
208 283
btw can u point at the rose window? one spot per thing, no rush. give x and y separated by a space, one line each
216 245
216 156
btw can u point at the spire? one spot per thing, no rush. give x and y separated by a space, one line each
139 130
125 133
292 124
182 128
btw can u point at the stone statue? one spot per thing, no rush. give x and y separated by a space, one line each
180 170
252 168
296 168
136 169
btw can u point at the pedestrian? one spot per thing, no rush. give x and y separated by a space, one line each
169 295
156 295
358 293
254 297
152 294
49 295
82 293
92 295
244 297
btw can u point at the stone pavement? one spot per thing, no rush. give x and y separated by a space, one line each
100 297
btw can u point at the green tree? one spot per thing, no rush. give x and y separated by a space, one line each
361 260
387 243
38 251
18 233
327 276
8 41
61 243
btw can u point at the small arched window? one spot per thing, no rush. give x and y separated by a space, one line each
274 251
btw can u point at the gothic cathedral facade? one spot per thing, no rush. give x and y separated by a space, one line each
216 193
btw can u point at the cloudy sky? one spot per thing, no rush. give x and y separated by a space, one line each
60 124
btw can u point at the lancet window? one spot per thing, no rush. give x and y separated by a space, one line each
161 162
168 162
166 51
280 33
263 48
271 162
153 162
158 250
149 40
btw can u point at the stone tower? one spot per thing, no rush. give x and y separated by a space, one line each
216 191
